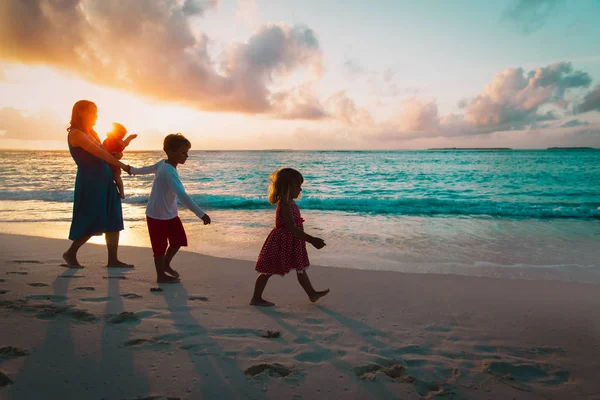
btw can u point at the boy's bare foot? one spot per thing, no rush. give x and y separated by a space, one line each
172 272
167 279
119 264
71 262
261 303
318 295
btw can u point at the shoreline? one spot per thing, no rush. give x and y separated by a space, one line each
377 335
135 235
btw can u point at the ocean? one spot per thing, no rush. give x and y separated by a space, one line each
516 214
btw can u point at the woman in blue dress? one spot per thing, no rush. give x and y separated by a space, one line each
96 205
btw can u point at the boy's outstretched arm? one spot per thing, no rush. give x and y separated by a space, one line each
176 185
150 169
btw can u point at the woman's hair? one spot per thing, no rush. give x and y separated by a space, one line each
282 181
118 130
77 120
175 141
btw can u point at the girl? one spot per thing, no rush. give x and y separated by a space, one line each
285 247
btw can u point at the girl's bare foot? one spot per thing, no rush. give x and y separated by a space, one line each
167 279
70 261
261 303
318 295
172 272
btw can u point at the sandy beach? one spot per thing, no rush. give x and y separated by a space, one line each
98 334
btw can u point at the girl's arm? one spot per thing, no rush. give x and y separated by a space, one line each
78 138
150 169
290 225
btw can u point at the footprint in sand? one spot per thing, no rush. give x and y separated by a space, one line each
26 262
95 299
52 312
10 351
37 284
16 273
89 288
50 297
521 372
198 298
156 289
124 317
70 276
137 342
4 379
272 369
395 371
114 277
131 296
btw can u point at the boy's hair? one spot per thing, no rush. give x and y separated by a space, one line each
175 141
117 130
281 184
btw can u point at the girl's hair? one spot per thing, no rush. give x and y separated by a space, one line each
117 130
77 120
282 181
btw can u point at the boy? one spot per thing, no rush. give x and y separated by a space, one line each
115 143
161 212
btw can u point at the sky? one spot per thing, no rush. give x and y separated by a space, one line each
272 74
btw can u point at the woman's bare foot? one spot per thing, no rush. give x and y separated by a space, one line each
318 295
71 261
261 303
172 272
119 264
167 279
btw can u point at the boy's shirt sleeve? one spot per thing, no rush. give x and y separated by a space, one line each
175 185
150 169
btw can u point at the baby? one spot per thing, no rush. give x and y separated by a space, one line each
115 143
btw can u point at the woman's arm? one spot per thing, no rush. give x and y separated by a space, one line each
78 138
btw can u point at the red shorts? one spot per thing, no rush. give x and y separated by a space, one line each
163 231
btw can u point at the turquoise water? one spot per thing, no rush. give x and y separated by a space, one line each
423 211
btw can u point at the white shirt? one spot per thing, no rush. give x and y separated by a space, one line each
166 189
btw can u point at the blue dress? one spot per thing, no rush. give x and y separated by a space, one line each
97 205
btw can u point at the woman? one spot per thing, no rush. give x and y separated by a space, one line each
97 205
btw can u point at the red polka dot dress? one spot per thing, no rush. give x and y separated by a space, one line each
282 250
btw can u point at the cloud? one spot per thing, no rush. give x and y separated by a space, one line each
158 55
573 123
17 124
353 68
417 115
512 99
344 109
591 101
531 15
298 103
247 11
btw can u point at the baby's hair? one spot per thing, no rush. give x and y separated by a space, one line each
117 130
281 184
175 141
